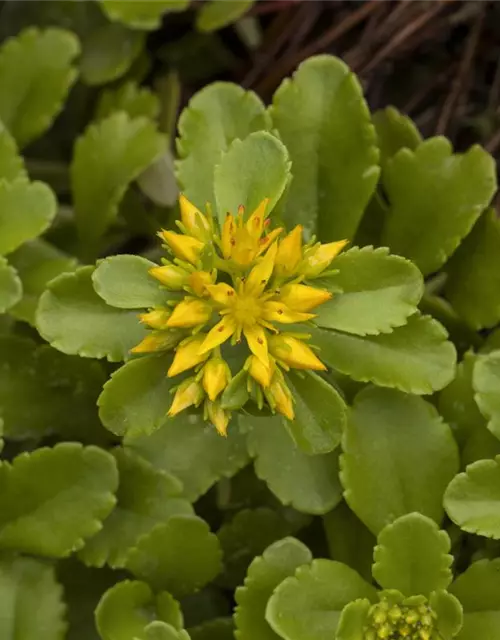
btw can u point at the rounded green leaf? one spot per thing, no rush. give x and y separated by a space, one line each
394 132
393 435
449 614
136 398
435 198
11 163
279 561
44 392
378 292
213 119
75 320
107 158
145 497
310 484
320 413
11 288
416 358
129 606
251 170
180 556
141 14
131 98
309 604
324 121
32 606
214 629
124 282
472 499
37 263
215 15
413 556
36 74
352 620
474 297
478 590
486 382
53 498
26 210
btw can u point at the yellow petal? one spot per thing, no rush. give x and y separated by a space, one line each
218 334
274 311
319 257
268 240
221 293
187 355
183 247
215 377
228 232
257 342
260 274
198 281
281 398
171 276
289 252
255 223
294 353
301 297
195 223
156 319
190 313
259 371
218 417
157 341
189 393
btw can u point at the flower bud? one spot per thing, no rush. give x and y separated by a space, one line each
171 276
259 372
183 247
157 341
300 297
294 353
189 313
188 393
216 376
289 253
218 417
319 257
280 398
193 220
198 281
156 318
187 355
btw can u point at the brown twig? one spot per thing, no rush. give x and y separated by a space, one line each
463 72
419 96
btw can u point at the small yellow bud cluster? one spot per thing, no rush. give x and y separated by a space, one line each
243 282
392 621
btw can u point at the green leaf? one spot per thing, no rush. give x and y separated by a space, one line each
279 561
309 604
456 402
44 392
75 320
320 413
413 556
37 263
109 50
349 541
124 282
11 288
478 590
11 163
379 292
186 438
486 382
36 74
236 394
393 435
215 117
129 97
481 444
352 620
473 281
249 171
26 210
32 606
215 629
472 499
449 614
129 606
310 484
145 498
180 556
395 131
415 358
107 158
323 120
435 199
141 14
136 398
53 498
215 15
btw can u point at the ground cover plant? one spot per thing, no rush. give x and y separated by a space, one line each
249 354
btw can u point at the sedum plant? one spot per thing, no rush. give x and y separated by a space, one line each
277 341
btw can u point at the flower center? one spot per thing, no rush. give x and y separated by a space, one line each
400 622
246 309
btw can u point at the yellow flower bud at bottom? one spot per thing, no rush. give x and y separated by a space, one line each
259 372
188 355
280 398
218 417
215 377
189 393
158 341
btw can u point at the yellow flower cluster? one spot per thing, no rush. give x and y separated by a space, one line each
242 282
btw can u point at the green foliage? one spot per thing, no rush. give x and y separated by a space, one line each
11 288
486 381
141 14
214 15
395 131
129 97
